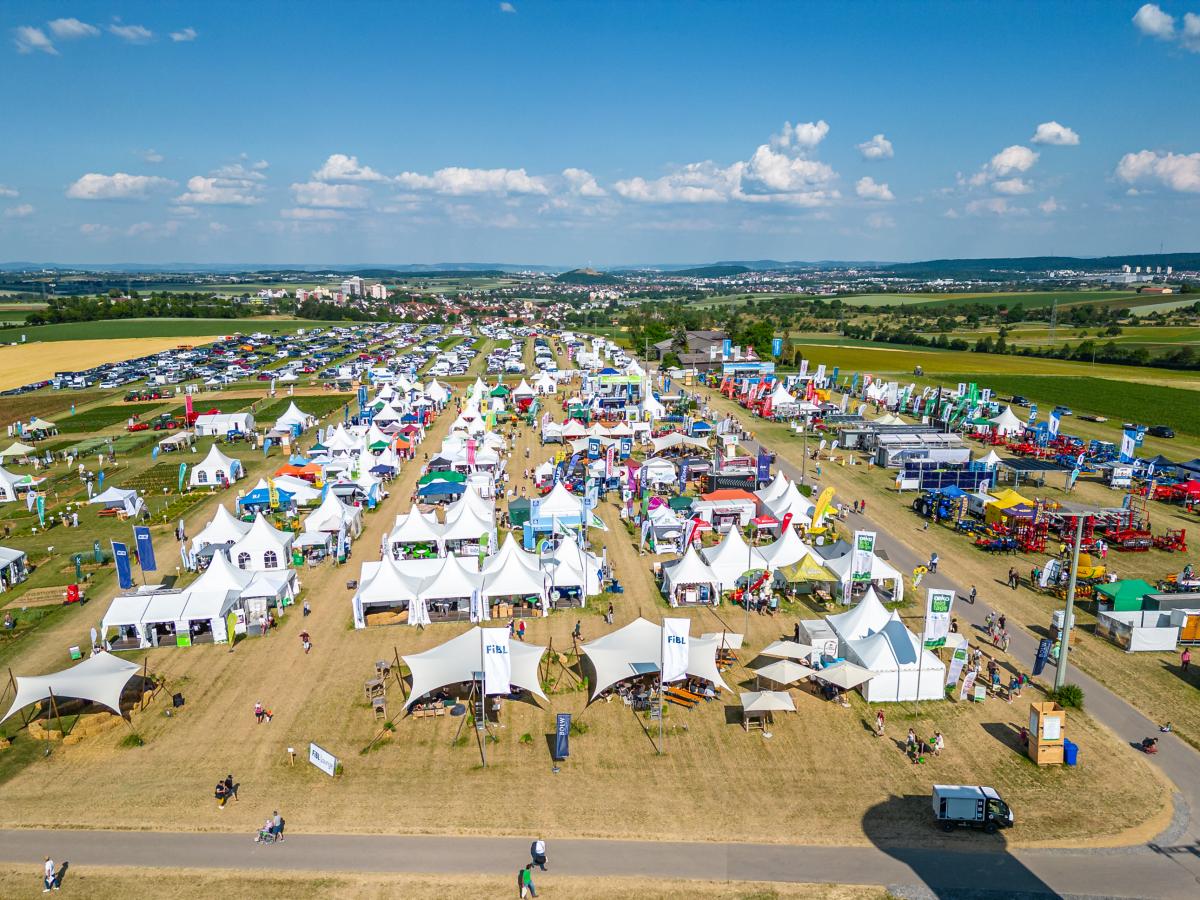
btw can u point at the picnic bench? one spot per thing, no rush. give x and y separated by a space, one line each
682 697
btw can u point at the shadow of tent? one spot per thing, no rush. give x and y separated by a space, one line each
977 864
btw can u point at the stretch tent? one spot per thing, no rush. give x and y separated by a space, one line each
613 657
99 679
458 660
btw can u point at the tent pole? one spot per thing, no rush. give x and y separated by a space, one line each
396 672
145 673
57 713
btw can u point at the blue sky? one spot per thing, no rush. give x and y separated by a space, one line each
589 132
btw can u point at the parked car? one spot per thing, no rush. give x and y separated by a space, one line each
1063 410
1161 431
1018 400
1094 418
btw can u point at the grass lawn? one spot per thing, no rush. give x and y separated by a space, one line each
1028 299
319 405
105 416
141 328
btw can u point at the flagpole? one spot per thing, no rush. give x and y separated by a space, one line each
661 662
482 702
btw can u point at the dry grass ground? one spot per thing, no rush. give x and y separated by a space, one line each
821 778
185 884
1152 682
25 363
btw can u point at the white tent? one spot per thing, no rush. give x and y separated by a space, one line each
100 679
509 551
614 656
303 491
383 584
903 669
120 498
677 439
733 558
16 450
458 660
415 527
866 618
482 507
10 484
333 515
572 567
991 460
437 392
467 524
689 571
263 548
560 503
452 581
513 578
293 416
767 701
1007 422
774 490
652 410
787 550
881 570
792 501
217 470
224 528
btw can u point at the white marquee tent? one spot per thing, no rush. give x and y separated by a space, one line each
903 669
100 679
613 657
458 660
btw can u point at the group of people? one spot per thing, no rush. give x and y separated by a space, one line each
224 790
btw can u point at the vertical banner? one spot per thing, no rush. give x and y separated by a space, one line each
272 494
957 662
1043 652
675 649
97 553
124 570
776 347
593 448
562 735
726 348
187 409
862 557
182 471
763 466
937 616
497 665
967 685
1128 445
609 462
471 452
41 510
145 548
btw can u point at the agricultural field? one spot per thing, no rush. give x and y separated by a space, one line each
319 405
103 417
1148 336
203 330
1028 299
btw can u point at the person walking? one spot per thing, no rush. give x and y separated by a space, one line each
972 595
49 881
521 631
880 722
537 852
305 642
525 880
258 712
933 561
1185 659
231 788
277 826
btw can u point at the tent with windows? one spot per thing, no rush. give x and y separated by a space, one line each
99 679
225 528
904 670
457 661
636 649
263 548
216 471
733 558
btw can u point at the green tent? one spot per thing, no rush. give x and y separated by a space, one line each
457 477
500 390
519 512
1124 596
678 504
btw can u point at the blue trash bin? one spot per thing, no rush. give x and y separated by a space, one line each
1070 752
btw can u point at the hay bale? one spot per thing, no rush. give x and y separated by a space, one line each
72 739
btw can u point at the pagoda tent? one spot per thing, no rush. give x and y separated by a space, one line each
460 658
263 548
552 432
436 391
522 390
473 499
513 578
783 404
224 528
881 570
991 460
341 443
792 501
465 530
99 679
561 504
510 551
572 568
292 418
451 585
771 492
690 580
652 410
384 586
222 577
733 558
573 430
545 383
786 551
1007 423
333 515
865 618
415 529
386 415
376 441
904 670
807 569
636 649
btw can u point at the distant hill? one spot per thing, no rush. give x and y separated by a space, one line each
714 271
586 276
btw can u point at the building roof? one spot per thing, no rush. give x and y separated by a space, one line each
726 494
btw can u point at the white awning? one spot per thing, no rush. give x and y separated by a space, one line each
100 679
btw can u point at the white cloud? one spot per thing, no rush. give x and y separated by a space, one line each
18 212
187 34
458 181
996 206
870 189
67 29
302 212
118 186
261 165
217 227
583 183
134 34
1055 134
340 167
950 214
1175 171
507 8
1012 186
92 229
1050 206
238 172
330 196
1013 159
701 182
770 175
151 156
214 190
876 148
29 40
802 137
183 212
1152 21
6 191
880 220
1190 35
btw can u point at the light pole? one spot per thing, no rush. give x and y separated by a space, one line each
1060 671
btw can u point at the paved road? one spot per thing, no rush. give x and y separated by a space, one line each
909 872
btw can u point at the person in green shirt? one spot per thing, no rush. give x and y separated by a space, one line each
525 880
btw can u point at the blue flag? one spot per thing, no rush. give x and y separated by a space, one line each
145 548
562 736
100 481
1043 651
124 570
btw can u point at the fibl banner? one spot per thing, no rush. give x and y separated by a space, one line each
675 649
497 664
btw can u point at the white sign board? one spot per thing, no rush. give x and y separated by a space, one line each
322 759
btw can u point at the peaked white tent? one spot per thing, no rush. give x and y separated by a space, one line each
903 669
685 580
733 558
864 619
991 460
614 656
572 567
225 528
415 527
383 584
217 470
333 515
263 548
561 504
509 551
881 570
787 550
792 501
100 679
771 492
293 416
468 525
458 660
10 484
1007 422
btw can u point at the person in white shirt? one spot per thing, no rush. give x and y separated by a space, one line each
49 880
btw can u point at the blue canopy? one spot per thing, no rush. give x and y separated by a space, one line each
440 489
382 470
953 491
262 497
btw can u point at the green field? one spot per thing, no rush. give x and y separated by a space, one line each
145 328
319 405
1028 299
103 417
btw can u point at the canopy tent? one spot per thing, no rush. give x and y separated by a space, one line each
1008 504
260 496
513 578
733 558
845 675
762 702
16 450
881 570
467 524
99 679
787 650
904 670
560 504
991 460
621 653
263 547
1125 595
11 485
866 618
783 671
302 491
225 528
293 417
460 658
1007 423
786 551
571 567
222 577
690 576
677 439
808 569
383 584
333 515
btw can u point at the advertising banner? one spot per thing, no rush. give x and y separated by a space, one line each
497 664
674 649
863 556
1043 653
145 548
937 616
322 759
124 570
562 735
776 346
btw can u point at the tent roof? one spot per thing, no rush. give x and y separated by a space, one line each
789 549
101 678
774 490
891 649
452 580
560 502
614 655
332 514
466 523
459 658
783 671
114 495
387 584
217 460
510 550
223 528
1006 421
809 568
733 558
415 527
690 569
17 449
865 619
767 701
1127 589
792 501
845 674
